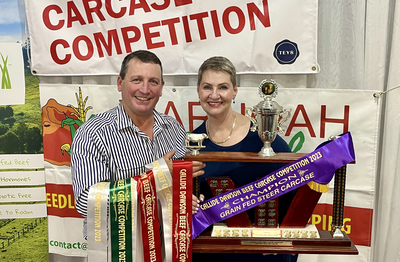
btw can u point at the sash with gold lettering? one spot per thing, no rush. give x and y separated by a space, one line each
121 220
128 228
163 181
182 211
98 225
147 197
319 166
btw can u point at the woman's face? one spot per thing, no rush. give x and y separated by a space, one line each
216 92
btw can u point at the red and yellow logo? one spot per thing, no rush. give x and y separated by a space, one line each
59 123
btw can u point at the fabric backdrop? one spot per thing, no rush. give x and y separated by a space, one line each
357 49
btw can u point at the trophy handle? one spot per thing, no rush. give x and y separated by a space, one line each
285 114
248 112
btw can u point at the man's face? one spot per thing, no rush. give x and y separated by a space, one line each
141 88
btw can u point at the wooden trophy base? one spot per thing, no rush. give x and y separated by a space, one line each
325 244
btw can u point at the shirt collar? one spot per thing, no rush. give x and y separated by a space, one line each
124 121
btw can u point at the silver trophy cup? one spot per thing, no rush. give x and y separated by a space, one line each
268 116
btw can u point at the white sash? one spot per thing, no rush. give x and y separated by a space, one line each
97 223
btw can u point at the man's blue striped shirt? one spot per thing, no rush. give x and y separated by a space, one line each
109 147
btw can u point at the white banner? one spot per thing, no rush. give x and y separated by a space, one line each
65 236
92 37
31 194
316 115
18 178
65 224
22 161
12 75
22 211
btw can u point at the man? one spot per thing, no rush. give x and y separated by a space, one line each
118 143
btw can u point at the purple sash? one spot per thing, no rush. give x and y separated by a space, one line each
318 166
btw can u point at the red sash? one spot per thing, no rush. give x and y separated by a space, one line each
147 196
182 211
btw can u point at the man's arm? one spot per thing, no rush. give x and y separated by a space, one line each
88 167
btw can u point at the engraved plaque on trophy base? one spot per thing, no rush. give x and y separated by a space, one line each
266 214
268 243
222 230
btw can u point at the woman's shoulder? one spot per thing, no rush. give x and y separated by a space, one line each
280 145
200 129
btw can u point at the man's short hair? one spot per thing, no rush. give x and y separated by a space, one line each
142 55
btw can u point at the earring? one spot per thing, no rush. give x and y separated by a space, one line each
234 100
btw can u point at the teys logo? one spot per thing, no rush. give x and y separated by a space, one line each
286 52
59 124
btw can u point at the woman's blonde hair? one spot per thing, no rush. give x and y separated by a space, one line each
218 64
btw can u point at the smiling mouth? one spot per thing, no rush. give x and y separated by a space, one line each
142 98
214 103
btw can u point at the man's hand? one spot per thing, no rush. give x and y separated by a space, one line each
197 165
167 158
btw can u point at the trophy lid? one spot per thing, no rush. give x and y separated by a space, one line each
268 89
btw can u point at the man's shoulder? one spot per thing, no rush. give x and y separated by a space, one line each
167 120
100 121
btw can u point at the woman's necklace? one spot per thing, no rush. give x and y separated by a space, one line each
215 142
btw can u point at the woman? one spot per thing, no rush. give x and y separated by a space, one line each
229 131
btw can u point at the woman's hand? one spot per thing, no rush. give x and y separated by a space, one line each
196 203
198 169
